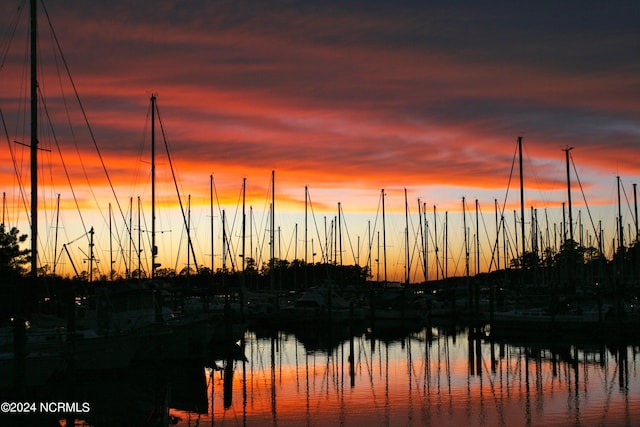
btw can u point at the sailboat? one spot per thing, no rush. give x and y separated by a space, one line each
98 334
23 360
134 313
571 312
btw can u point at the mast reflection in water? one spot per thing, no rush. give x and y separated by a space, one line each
433 376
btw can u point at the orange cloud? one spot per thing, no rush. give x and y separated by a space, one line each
347 101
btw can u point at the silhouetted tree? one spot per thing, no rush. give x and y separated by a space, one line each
12 258
165 272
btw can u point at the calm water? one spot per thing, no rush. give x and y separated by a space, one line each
430 376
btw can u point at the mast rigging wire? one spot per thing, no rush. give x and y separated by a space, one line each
89 128
175 182
598 237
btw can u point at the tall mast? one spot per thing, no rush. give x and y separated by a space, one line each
154 249
91 232
55 244
306 243
635 208
139 242
477 238
445 272
211 212
273 229
466 254
188 231
34 139
476 288
570 225
422 240
369 265
564 223
384 240
406 235
244 231
326 242
306 200
620 224
534 231
224 244
466 242
498 225
524 246
620 245
426 243
130 237
334 237
435 239
378 259
110 243
339 232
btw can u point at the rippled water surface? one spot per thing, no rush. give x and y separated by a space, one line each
433 376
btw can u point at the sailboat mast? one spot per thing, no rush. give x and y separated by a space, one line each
154 249
188 231
466 254
130 237
325 256
34 138
466 242
498 225
378 257
445 273
370 243
620 224
55 244
272 230
566 152
224 243
91 245
384 240
139 243
621 250
524 246
426 243
110 244
435 240
515 231
213 269
306 201
422 241
477 237
306 242
476 288
406 236
339 232
244 230
635 208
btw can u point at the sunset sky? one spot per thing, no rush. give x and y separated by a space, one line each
347 98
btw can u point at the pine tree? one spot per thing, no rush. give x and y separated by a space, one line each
12 258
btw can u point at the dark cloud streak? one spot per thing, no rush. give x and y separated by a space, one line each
367 91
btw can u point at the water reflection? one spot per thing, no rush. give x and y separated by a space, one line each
380 376
430 376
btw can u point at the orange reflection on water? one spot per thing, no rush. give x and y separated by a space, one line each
423 380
